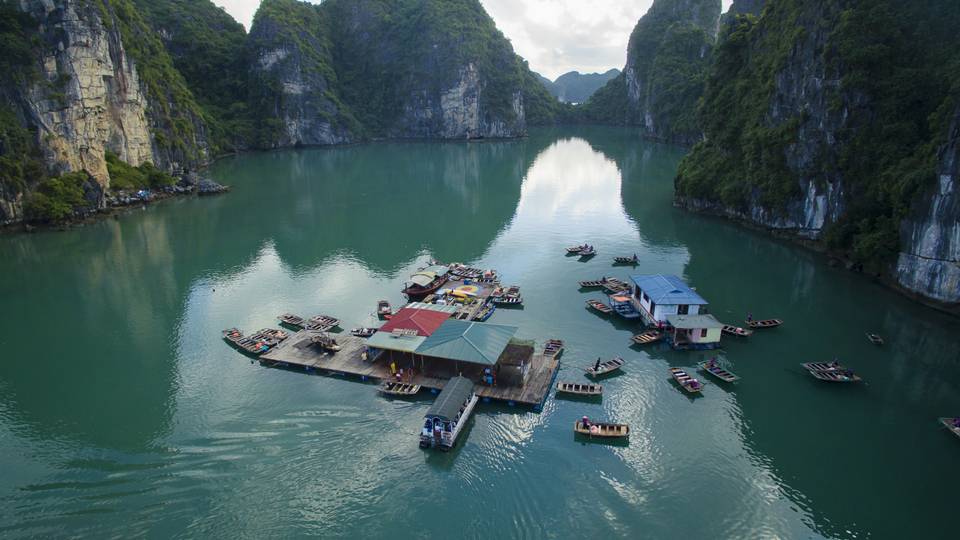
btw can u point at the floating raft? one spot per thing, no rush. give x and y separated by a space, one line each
602 429
875 339
951 424
399 389
687 382
606 367
626 260
717 371
579 389
650 336
736 330
832 373
766 323
599 306
553 348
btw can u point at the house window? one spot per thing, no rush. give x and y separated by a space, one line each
703 333
645 297
683 309
653 308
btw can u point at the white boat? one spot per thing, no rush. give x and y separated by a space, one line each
448 414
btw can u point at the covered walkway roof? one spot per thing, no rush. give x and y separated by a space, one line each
694 322
464 341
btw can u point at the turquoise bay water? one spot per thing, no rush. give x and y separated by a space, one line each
123 413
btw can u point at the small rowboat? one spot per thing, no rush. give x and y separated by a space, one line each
295 321
714 369
322 323
599 306
626 260
507 300
399 389
766 323
588 251
383 308
326 342
580 389
606 367
363 332
576 249
834 374
553 348
512 290
736 330
233 335
687 382
650 336
953 424
592 283
602 429
823 366
875 339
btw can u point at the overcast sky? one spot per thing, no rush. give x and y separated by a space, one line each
555 36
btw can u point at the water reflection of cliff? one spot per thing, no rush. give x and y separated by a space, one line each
382 203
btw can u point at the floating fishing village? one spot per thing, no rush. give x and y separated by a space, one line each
441 341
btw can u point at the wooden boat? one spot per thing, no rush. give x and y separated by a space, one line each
363 332
592 283
232 335
579 389
383 308
398 388
588 251
875 339
614 286
952 424
553 348
292 320
326 342
606 367
766 323
485 312
507 300
650 336
323 323
688 383
835 372
415 290
602 429
736 330
714 369
626 260
273 335
576 249
512 290
465 272
599 306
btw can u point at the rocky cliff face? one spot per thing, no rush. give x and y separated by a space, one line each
342 71
929 263
88 98
810 128
667 59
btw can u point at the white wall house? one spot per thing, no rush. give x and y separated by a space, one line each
657 296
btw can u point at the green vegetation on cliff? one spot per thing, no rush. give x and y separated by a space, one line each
207 49
896 63
126 176
56 199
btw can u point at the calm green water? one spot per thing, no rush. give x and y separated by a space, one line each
123 413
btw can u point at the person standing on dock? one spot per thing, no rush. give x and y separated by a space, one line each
393 368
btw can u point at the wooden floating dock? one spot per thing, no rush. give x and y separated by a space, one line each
299 352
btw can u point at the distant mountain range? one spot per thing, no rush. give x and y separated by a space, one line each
576 87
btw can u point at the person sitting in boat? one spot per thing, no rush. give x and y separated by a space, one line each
956 422
596 367
585 422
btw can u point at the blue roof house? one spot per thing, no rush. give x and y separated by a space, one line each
658 296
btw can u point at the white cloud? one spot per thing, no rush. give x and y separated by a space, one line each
555 36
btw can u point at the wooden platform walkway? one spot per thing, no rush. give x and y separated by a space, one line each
298 352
